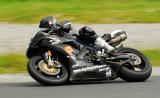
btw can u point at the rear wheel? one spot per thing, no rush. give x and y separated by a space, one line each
139 70
46 75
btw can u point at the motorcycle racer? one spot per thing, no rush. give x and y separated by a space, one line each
85 34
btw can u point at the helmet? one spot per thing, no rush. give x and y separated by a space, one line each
47 22
87 34
87 31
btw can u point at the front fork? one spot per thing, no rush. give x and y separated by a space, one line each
49 60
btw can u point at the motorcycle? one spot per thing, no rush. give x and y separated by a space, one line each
55 60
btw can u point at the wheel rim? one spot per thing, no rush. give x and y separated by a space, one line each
137 59
48 70
138 63
59 73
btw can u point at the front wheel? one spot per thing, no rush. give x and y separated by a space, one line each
45 75
139 71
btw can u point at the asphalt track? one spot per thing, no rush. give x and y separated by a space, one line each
106 89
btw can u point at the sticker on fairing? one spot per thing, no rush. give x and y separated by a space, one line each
91 68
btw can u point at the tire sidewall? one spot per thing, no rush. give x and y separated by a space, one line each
42 79
130 75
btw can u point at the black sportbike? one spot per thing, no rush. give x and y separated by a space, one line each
55 60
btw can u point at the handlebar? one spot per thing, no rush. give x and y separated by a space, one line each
57 28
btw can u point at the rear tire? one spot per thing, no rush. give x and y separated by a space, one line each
44 78
132 75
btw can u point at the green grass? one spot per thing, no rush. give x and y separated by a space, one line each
12 63
16 63
153 55
81 11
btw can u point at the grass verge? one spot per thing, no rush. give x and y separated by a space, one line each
81 11
12 63
153 55
16 63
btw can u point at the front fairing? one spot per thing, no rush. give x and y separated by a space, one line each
36 41
37 38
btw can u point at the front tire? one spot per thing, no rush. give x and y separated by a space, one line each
44 78
129 73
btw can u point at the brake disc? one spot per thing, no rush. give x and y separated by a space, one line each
48 70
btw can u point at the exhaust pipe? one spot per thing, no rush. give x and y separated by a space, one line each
117 39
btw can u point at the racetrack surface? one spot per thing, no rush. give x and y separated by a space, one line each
106 89
14 37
